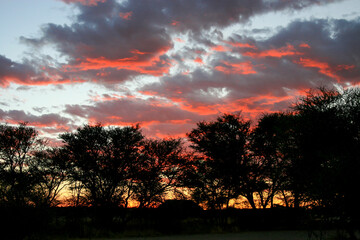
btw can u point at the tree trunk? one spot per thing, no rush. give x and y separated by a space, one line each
296 199
250 198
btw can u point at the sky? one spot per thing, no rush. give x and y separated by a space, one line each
168 64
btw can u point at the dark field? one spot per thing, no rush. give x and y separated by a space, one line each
152 224
259 235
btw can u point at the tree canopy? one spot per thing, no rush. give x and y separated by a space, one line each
306 156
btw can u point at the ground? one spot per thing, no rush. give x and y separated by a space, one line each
260 235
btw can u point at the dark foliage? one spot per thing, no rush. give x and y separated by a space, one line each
226 169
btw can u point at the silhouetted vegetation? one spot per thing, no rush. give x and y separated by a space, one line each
303 164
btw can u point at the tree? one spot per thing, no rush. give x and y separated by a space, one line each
101 159
274 144
49 170
227 170
17 147
329 139
160 169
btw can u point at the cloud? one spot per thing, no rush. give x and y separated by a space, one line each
111 41
131 110
44 120
84 2
236 68
288 50
199 73
30 72
266 75
324 68
153 114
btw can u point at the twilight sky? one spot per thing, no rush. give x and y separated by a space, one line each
168 64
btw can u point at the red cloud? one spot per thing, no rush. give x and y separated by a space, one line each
304 45
198 60
153 66
241 45
175 23
135 51
219 48
125 15
179 40
51 120
40 80
288 50
30 74
85 2
236 68
324 67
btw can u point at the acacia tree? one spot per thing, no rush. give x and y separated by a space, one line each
329 139
100 160
17 147
49 168
161 166
274 144
330 143
226 170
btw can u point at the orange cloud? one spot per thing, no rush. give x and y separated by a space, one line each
85 2
125 15
134 63
288 50
179 40
198 60
40 80
135 51
241 45
324 67
304 45
219 48
236 68
106 97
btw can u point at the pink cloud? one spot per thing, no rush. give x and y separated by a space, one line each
125 15
153 66
241 45
288 50
324 67
236 68
219 48
85 2
198 60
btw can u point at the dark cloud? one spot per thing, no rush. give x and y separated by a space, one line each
302 55
111 41
132 110
11 71
156 117
334 40
84 2
44 120
30 72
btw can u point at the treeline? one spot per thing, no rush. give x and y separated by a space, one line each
308 156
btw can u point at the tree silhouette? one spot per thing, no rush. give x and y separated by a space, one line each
17 147
100 160
49 170
274 144
330 142
161 165
227 170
